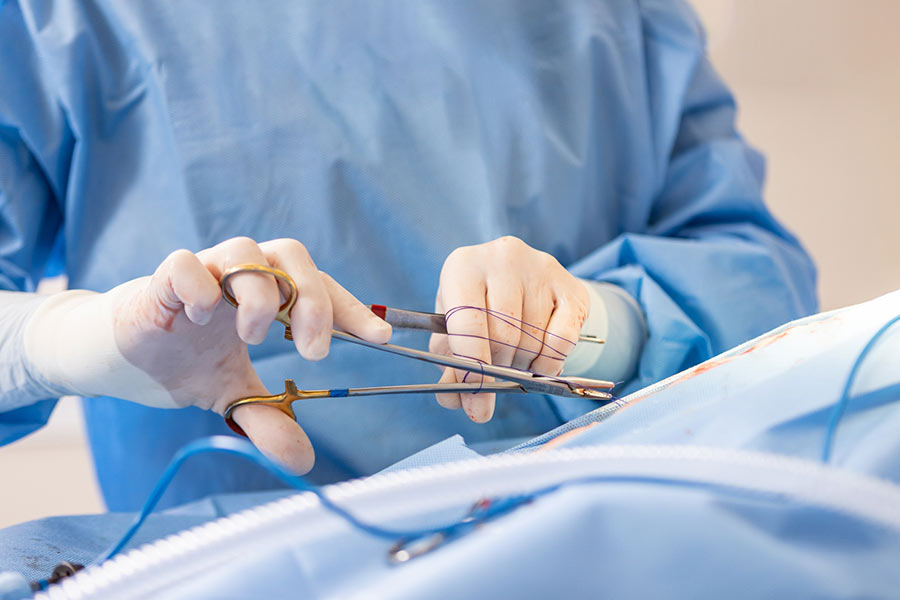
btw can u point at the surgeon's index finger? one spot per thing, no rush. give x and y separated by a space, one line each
439 343
467 330
256 293
312 316
353 316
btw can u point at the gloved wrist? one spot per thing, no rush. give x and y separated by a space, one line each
18 385
616 318
70 347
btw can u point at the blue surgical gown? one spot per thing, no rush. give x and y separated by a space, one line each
383 135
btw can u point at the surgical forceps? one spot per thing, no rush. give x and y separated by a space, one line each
434 322
513 380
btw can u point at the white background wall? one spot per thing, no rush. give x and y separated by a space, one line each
818 86
818 89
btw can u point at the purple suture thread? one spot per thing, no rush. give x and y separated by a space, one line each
512 322
481 337
557 379
466 376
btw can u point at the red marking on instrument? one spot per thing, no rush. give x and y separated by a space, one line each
380 311
235 427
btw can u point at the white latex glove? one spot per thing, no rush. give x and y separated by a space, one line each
170 341
508 276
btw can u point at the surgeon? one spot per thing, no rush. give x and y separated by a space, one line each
572 164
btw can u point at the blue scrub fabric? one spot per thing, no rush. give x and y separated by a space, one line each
383 136
707 485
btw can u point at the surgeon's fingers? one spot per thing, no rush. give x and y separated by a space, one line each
536 311
504 301
312 316
463 295
571 307
256 293
272 431
467 331
449 400
182 280
353 316
275 434
559 339
439 343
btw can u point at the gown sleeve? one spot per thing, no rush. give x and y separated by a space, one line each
35 148
712 268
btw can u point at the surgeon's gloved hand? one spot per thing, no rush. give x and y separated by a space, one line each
169 340
510 277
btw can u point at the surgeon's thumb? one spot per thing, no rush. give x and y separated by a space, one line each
277 436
